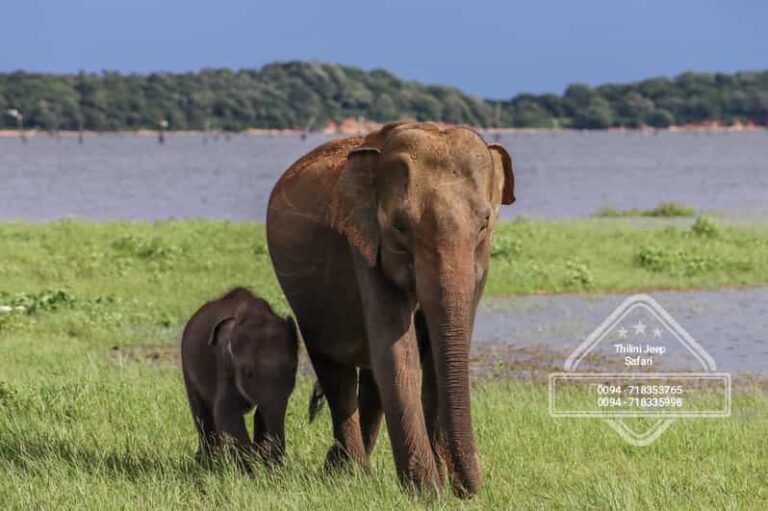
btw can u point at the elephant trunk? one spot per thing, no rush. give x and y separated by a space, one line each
447 299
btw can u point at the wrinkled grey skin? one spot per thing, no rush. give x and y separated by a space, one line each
237 354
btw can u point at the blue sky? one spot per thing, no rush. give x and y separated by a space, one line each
489 48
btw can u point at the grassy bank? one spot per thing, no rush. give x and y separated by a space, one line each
165 268
603 255
93 414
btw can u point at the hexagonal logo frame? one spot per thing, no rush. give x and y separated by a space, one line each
664 403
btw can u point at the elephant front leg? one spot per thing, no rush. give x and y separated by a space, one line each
396 367
395 362
429 394
369 403
269 432
339 383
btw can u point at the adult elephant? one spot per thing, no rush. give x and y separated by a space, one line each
381 244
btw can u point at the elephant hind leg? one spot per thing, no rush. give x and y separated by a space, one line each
369 403
339 384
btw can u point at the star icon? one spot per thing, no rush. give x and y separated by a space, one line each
657 332
639 328
622 333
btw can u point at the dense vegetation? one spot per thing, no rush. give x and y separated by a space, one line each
303 94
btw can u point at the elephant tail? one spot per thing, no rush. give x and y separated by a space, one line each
316 401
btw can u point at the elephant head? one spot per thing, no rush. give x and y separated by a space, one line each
420 205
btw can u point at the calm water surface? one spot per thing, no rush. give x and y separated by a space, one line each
731 325
558 174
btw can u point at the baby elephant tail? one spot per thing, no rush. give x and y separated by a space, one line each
316 401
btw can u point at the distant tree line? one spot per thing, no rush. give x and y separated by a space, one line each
300 94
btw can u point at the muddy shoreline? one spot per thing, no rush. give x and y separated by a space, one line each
487 362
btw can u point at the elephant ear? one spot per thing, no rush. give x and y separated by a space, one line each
505 176
353 210
221 329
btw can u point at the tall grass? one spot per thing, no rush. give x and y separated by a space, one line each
79 431
93 413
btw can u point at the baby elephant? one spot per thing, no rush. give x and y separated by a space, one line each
237 354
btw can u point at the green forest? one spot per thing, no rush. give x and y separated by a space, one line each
306 95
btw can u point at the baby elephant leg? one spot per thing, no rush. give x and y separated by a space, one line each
269 431
230 426
205 426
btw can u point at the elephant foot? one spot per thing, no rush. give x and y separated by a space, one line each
339 458
244 462
241 457
422 485
467 484
441 459
423 477
442 470
269 453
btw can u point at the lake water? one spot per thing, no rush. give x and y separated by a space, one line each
558 174
731 325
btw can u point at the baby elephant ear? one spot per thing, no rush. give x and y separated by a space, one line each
222 328
353 209
502 166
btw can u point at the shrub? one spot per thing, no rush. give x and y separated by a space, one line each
669 210
663 209
33 303
150 249
705 227
611 213
676 262
578 274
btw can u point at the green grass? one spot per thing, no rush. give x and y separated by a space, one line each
164 269
600 255
80 431
662 210
93 413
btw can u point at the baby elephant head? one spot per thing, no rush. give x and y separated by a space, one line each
262 351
